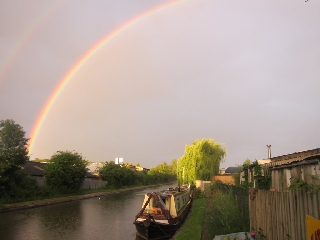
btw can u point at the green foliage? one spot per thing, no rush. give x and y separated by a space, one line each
13 154
227 211
156 177
299 184
27 189
117 175
201 161
25 186
246 163
65 171
247 185
174 163
162 168
163 173
256 168
264 182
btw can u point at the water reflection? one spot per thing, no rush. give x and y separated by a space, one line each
61 219
108 217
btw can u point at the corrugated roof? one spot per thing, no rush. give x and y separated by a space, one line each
297 156
294 157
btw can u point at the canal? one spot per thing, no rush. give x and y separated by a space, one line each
105 217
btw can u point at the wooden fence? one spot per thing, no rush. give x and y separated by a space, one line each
282 215
89 183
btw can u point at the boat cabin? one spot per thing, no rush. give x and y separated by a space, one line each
165 202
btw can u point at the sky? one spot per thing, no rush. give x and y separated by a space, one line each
149 77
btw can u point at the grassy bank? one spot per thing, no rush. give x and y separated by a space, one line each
192 228
224 210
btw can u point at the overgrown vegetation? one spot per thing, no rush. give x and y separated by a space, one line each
264 182
222 210
227 211
255 169
299 184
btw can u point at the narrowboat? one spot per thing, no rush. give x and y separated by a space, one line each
163 213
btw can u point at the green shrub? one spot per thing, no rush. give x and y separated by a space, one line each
65 171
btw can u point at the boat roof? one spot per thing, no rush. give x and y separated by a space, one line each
165 196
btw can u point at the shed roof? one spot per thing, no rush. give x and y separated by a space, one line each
232 170
36 169
295 157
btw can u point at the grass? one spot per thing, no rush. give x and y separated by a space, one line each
192 228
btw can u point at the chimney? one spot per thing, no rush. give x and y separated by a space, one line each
269 151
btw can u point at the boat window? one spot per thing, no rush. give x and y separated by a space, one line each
155 202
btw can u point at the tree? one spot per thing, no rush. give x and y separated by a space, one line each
174 163
13 153
246 163
161 168
66 171
117 175
201 161
162 173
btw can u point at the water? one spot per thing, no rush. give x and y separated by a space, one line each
107 217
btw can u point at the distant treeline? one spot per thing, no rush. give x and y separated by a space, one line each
119 175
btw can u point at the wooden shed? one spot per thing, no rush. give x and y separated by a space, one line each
301 166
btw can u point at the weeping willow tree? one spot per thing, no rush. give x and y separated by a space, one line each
201 161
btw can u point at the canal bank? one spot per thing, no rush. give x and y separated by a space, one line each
50 201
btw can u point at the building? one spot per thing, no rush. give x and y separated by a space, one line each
226 175
287 170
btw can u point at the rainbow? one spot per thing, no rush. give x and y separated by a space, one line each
63 82
27 36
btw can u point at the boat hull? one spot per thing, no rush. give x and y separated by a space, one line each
155 230
151 229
